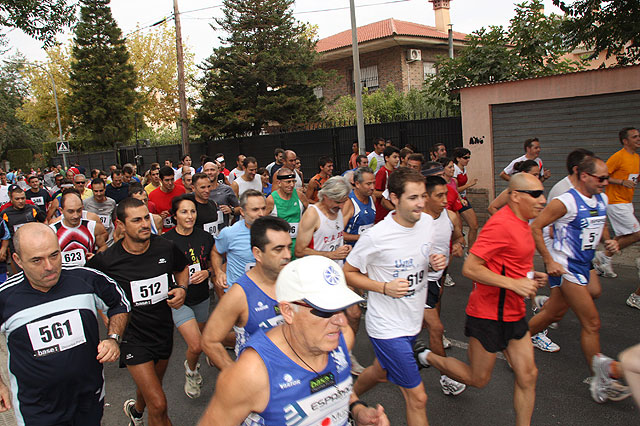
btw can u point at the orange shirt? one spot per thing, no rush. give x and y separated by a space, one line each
625 166
315 185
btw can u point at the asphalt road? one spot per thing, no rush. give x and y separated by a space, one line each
562 398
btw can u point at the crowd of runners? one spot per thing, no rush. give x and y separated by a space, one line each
266 276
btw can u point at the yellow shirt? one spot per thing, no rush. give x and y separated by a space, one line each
624 166
87 193
150 188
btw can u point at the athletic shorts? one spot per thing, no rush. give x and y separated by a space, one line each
433 293
495 335
465 208
131 354
199 312
623 220
396 357
577 272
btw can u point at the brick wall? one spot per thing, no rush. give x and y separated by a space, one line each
479 199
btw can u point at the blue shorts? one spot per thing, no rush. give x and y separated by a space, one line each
396 357
577 273
184 313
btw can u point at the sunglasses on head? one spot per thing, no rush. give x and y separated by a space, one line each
600 178
534 193
316 312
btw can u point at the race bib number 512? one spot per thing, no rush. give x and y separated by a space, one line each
150 291
56 334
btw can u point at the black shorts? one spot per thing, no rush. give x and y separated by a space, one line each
433 293
495 335
132 354
465 208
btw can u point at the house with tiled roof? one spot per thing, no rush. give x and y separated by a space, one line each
391 51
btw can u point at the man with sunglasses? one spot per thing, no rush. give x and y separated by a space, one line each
298 371
500 263
579 222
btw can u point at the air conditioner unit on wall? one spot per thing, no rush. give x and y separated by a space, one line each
414 55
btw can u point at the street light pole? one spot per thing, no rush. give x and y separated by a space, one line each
357 79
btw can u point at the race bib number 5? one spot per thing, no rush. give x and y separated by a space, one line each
56 334
150 291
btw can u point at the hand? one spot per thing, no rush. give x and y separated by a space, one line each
474 181
341 253
555 269
438 262
546 174
464 202
524 287
3 255
108 351
225 209
164 214
457 250
628 183
5 398
90 255
397 287
540 278
366 416
177 300
198 277
221 280
612 246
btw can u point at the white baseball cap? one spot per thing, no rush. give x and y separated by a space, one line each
318 281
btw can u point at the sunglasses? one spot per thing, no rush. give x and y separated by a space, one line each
534 193
316 312
600 178
81 182
466 157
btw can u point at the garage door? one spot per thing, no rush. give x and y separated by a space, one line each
562 125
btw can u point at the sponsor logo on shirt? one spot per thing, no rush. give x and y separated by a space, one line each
162 260
260 307
340 359
288 382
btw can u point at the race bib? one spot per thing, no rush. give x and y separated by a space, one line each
150 291
74 257
167 222
39 201
248 266
633 177
363 228
194 268
56 334
592 232
293 229
106 220
213 228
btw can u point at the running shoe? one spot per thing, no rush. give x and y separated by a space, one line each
450 386
446 343
193 381
448 281
634 301
601 381
418 347
129 406
603 266
542 342
356 367
616 391
538 301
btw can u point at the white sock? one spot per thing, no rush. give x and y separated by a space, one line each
422 357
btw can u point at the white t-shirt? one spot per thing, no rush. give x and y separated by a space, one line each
441 240
234 174
509 169
388 251
558 189
378 163
269 166
178 173
4 194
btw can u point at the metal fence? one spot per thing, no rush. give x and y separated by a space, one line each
308 144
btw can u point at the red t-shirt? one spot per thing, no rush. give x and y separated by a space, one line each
506 245
453 202
382 177
162 200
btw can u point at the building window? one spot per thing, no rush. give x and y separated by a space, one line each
318 92
368 76
429 69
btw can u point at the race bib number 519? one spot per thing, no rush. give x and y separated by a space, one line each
56 334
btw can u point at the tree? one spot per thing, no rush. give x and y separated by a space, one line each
264 71
41 19
103 98
604 26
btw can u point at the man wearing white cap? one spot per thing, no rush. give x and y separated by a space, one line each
299 370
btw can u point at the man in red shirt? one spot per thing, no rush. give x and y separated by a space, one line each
164 194
500 263
391 156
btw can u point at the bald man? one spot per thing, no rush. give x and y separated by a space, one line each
503 275
53 310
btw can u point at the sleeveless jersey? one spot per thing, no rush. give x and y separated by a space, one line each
76 243
243 185
154 230
301 397
264 312
440 241
363 216
289 210
328 237
579 238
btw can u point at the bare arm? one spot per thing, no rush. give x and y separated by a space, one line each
179 293
505 176
499 202
303 198
235 188
4 250
53 206
309 223
469 184
347 213
355 278
216 262
101 236
5 397
475 269
270 204
457 237
109 349
554 211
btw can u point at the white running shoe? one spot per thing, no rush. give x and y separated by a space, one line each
538 301
450 386
448 281
542 342
356 367
634 301
193 381
601 381
446 343
616 391
129 404
602 263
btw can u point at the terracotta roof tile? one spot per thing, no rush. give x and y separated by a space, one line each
381 29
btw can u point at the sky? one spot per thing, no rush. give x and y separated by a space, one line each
200 38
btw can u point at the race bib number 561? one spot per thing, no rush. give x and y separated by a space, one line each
149 291
56 334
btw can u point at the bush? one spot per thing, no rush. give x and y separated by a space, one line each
20 158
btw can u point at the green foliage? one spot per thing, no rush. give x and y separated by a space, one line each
103 82
604 26
49 150
20 158
264 71
41 19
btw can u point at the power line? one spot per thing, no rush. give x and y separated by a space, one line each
347 7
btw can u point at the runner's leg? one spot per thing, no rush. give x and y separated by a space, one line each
148 379
520 354
470 217
415 400
553 310
477 374
370 377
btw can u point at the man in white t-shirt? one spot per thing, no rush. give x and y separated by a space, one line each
391 261
375 157
238 171
4 188
531 152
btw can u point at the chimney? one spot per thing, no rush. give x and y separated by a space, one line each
441 9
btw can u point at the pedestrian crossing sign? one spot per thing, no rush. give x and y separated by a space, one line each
62 147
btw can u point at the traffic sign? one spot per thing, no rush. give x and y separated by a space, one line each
62 147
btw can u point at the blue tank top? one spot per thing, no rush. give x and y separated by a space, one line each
264 312
301 397
579 238
363 216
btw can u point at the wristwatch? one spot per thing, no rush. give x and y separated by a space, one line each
115 337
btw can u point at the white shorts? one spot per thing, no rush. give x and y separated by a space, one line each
623 220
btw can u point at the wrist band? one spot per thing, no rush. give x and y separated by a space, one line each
355 403
183 287
384 291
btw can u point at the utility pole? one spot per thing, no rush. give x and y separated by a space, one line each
357 79
184 122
